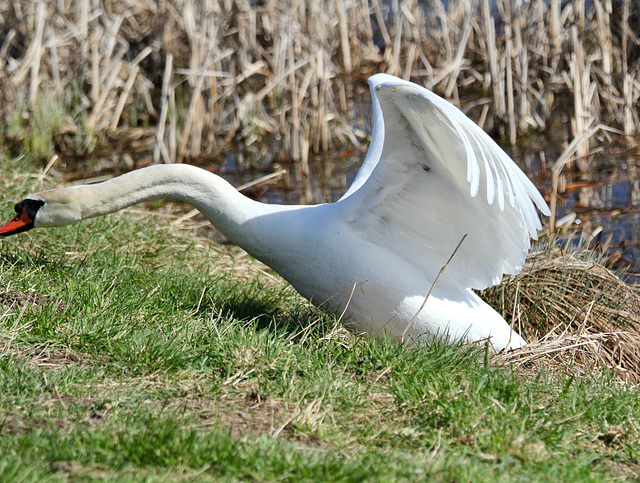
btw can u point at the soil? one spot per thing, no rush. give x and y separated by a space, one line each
36 301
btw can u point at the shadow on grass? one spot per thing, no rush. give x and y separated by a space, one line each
265 308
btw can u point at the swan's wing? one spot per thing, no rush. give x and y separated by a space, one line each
377 139
435 177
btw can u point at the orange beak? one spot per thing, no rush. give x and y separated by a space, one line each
22 222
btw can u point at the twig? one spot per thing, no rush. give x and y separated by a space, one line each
431 289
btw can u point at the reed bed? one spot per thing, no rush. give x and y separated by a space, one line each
185 80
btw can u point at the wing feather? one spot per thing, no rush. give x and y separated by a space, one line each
419 190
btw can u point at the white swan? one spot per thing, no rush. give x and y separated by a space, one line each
431 176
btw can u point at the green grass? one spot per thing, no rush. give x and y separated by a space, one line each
162 357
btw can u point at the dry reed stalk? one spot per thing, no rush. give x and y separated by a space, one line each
459 56
555 26
4 47
521 61
444 34
377 9
625 35
160 149
82 7
109 36
173 127
627 93
195 107
565 158
413 19
365 15
111 81
52 42
344 35
492 54
26 64
579 77
394 67
511 115
95 68
37 49
133 72
603 13
433 286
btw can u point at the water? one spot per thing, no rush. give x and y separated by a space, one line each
606 203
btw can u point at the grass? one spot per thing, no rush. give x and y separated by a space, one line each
151 355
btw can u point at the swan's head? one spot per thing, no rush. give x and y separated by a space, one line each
38 211
25 218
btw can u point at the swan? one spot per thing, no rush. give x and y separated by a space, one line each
430 177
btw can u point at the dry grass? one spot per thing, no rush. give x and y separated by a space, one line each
579 315
189 77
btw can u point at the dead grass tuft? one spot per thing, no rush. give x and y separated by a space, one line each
578 315
35 300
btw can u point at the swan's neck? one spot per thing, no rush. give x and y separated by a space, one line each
222 204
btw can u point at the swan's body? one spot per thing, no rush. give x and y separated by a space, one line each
430 177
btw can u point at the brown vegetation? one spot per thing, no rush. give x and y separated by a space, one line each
197 75
577 315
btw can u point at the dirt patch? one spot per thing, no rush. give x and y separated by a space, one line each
623 469
47 357
242 414
36 301
75 469
16 425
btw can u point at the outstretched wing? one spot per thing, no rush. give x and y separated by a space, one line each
431 176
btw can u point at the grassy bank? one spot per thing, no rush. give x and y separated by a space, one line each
132 351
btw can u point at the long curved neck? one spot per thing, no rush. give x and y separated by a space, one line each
218 201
